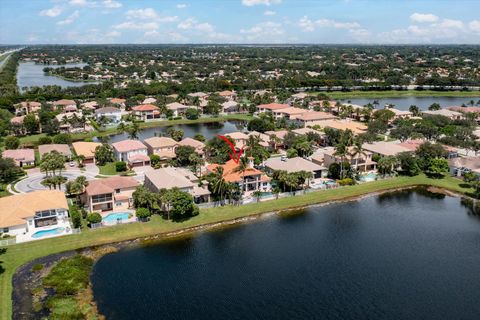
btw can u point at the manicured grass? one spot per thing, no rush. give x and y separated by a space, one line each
31 139
399 94
20 254
108 169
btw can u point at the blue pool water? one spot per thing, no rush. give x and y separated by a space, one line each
114 217
368 177
50 232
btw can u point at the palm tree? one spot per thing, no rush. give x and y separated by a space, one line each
291 180
242 167
357 150
341 151
306 176
274 141
257 194
133 131
219 185
276 191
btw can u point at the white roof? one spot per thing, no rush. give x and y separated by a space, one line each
292 165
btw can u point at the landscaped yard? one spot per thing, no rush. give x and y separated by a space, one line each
20 254
108 169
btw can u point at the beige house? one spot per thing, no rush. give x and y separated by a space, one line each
296 164
63 149
22 157
86 149
146 112
183 179
26 107
164 147
384 148
24 215
271 107
453 115
313 118
288 113
114 193
240 139
198 145
360 162
178 108
133 152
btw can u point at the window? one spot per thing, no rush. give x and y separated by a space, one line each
117 190
102 198
45 213
5 230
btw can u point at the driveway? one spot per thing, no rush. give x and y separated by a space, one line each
34 178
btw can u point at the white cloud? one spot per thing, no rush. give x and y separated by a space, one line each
474 25
309 25
70 19
181 6
52 12
137 25
112 4
264 32
423 17
269 13
113 34
149 14
250 3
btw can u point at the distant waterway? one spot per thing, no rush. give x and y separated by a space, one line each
30 74
208 130
404 255
423 103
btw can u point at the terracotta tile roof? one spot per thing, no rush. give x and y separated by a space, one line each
292 111
176 106
226 93
15 209
279 134
17 120
145 107
160 142
109 185
128 145
273 106
198 145
167 178
229 171
385 148
24 155
60 148
87 149
315 116
293 165
464 109
64 102
117 100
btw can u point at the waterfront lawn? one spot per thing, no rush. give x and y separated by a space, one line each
20 254
398 94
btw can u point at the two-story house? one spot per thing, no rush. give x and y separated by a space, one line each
146 112
113 193
164 147
114 115
131 151
361 161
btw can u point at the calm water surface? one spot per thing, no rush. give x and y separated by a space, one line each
421 102
31 75
209 130
406 255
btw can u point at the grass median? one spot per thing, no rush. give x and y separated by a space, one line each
20 254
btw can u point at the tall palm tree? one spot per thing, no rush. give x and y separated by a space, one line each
242 167
274 141
219 185
357 151
341 151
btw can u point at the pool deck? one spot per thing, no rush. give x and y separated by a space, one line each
62 223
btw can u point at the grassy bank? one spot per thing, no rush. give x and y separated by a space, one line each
400 94
143 125
20 254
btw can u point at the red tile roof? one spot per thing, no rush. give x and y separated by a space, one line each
145 107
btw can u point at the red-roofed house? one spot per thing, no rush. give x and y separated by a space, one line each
249 180
131 151
109 193
146 112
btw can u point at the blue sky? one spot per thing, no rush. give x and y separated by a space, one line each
239 21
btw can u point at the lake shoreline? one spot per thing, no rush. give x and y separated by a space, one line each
22 278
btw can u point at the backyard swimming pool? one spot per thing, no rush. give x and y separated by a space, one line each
368 177
50 232
114 217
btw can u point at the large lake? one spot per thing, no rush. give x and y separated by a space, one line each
407 255
423 103
30 74
209 130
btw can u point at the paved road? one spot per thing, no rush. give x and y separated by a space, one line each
33 181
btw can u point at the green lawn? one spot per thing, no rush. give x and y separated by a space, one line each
109 169
400 94
20 254
143 125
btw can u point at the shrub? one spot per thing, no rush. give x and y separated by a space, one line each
76 217
345 182
121 166
94 217
62 138
37 267
12 143
143 213
69 275
44 140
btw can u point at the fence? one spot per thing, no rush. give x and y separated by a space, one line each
7 242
